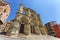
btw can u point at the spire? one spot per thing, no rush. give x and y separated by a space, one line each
21 8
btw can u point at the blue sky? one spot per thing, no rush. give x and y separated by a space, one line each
49 10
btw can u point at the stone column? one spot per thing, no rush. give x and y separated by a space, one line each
37 30
27 29
14 29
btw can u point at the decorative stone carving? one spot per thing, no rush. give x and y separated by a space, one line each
27 29
4 11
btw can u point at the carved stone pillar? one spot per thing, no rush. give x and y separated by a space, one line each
14 29
27 29
37 30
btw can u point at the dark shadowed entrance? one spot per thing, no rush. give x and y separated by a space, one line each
1 22
21 28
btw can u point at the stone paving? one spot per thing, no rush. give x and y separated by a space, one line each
30 37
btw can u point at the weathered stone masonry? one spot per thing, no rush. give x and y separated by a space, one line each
26 22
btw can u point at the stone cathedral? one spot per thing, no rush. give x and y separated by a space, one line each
26 22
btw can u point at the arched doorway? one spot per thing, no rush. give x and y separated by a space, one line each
24 21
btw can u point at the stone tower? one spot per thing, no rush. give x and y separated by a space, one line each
4 11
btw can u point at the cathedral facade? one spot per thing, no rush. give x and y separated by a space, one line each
26 22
